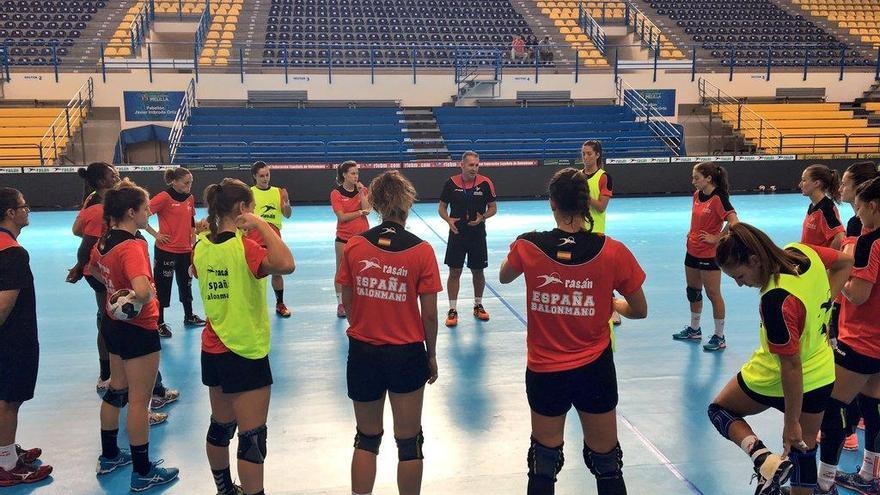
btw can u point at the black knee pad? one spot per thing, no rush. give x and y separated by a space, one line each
252 445
219 434
722 419
410 449
694 295
870 409
545 462
835 428
607 466
804 472
117 398
369 443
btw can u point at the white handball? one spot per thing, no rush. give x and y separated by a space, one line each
123 306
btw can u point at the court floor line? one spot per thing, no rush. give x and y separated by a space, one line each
631 427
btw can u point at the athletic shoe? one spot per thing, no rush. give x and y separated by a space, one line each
194 321
855 483
28 456
340 311
24 473
773 473
715 343
164 331
107 465
282 311
157 476
688 334
452 318
102 385
157 418
160 401
236 490
480 313
851 442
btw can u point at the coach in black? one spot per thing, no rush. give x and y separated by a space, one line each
467 200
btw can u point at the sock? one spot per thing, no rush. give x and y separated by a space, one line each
109 448
869 467
187 308
826 475
757 451
695 320
719 327
747 444
478 301
452 303
8 457
105 368
279 296
161 314
140 456
338 298
223 480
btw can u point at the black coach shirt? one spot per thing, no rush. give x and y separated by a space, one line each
15 274
467 198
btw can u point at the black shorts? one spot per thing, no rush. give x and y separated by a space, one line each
128 341
471 246
374 369
591 388
167 265
707 264
340 241
95 284
19 362
814 401
846 357
234 373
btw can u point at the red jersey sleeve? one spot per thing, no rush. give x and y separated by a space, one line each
158 202
92 220
629 275
134 260
784 317
604 190
335 201
254 254
867 265
827 255
429 279
343 274
514 257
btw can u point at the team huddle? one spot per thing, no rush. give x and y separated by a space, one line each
818 360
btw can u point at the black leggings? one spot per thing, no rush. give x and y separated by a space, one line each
166 266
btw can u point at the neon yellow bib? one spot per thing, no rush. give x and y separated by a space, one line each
762 372
595 193
268 204
234 300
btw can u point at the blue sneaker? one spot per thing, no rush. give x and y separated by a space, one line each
107 465
157 476
688 334
855 483
715 343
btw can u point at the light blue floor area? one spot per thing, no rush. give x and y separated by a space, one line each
476 418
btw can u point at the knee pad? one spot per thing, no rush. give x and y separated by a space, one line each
694 295
835 428
117 398
804 472
545 462
722 419
219 434
252 445
410 449
369 443
870 409
607 466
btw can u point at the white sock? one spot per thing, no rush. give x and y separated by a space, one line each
695 320
452 303
869 465
747 444
478 300
719 327
338 298
826 475
8 457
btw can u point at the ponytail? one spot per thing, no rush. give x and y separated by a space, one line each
717 173
173 174
222 199
829 178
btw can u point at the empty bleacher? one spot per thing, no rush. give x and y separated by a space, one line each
29 29
36 136
861 18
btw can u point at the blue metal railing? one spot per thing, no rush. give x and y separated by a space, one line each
665 130
139 29
202 31
181 119
592 29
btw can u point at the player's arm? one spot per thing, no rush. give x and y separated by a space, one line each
286 210
143 289
428 303
600 204
837 240
633 306
279 259
7 302
508 273
78 227
491 210
792 375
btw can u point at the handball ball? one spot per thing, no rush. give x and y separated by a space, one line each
762 188
772 188
123 305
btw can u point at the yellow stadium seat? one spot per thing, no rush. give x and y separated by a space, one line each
228 35
123 51
221 61
570 37
204 60
564 30
229 27
213 35
218 19
207 52
232 18
225 44
223 53
110 52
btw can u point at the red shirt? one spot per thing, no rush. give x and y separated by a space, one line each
91 218
859 325
570 280
122 258
784 315
345 201
387 268
821 224
707 214
254 253
176 214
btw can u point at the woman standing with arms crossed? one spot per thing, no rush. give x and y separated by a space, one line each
822 225
351 204
389 271
271 204
231 270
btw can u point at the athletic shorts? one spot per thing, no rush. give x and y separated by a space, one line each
814 400
375 369
128 341
707 264
472 247
591 388
19 361
234 373
95 284
846 357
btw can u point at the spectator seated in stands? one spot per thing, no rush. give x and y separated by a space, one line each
532 46
545 49
518 49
